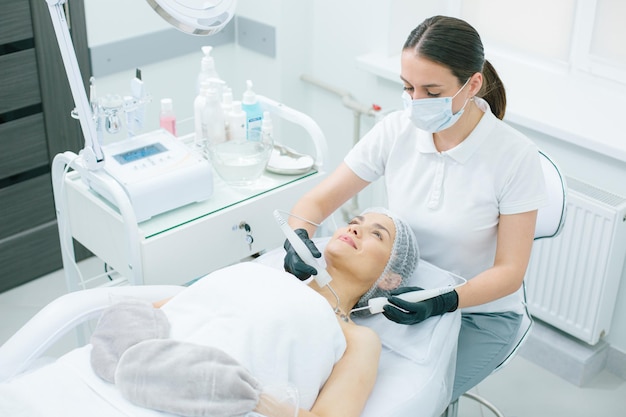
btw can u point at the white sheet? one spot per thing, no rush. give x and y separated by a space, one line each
66 387
415 372
282 331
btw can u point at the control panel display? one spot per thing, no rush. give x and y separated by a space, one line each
139 153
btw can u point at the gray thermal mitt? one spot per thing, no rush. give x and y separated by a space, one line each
186 379
121 326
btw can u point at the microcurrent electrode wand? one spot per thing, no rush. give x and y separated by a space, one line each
322 278
375 305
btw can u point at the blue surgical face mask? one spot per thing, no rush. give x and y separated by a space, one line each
432 114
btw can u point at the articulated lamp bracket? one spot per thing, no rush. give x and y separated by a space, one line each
92 152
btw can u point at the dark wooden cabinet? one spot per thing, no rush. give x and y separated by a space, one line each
35 125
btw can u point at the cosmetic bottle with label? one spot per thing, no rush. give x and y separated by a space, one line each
254 113
167 118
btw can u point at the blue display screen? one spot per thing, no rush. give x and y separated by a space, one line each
139 153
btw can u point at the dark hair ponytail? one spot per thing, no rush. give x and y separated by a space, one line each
456 44
493 90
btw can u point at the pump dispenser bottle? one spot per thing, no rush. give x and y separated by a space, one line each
254 113
207 67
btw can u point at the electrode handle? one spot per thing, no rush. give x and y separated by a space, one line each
376 304
322 278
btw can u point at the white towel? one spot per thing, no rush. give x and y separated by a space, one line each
186 379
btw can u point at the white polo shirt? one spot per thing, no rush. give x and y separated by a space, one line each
453 199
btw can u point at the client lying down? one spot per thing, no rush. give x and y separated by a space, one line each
237 340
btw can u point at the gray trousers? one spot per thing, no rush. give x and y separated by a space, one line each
484 341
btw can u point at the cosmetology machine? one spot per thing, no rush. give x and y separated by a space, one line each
149 206
157 171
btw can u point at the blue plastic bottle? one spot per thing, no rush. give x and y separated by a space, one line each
254 113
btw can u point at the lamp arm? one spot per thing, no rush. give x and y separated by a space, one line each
92 152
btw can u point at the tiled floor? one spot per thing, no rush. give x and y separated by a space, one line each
521 389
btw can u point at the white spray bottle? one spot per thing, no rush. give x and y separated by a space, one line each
213 122
198 108
236 120
227 105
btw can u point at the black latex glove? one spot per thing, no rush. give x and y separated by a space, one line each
417 312
294 264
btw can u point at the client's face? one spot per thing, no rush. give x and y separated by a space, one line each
363 247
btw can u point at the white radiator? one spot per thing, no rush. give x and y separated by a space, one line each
573 279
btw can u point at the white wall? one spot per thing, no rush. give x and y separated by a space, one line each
176 78
323 38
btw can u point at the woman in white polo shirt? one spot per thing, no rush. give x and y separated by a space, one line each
468 184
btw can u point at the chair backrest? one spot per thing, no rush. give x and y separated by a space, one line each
520 337
550 220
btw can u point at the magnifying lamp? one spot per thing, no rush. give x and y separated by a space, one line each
197 17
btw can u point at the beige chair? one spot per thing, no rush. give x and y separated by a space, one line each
550 220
